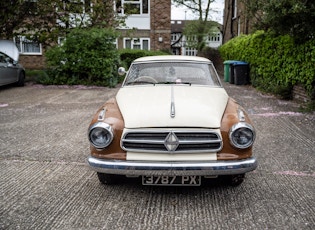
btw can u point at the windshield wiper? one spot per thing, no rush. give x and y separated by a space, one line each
175 83
140 83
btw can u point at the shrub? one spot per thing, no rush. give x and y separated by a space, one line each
276 62
87 56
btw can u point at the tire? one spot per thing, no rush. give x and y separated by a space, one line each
21 80
108 179
236 180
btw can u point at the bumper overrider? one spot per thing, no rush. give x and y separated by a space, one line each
145 168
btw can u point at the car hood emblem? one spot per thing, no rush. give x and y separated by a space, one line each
171 142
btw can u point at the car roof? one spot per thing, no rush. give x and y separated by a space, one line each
171 58
9 48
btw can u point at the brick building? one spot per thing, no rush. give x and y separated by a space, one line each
151 25
235 21
148 27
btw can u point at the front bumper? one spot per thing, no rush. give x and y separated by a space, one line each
206 168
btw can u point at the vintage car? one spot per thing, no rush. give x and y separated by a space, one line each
10 70
171 123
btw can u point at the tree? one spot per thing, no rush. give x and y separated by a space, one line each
198 29
46 20
12 14
292 17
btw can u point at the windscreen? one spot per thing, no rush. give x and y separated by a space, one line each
172 73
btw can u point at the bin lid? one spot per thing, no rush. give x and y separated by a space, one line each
240 63
229 61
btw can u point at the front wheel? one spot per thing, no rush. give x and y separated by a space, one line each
236 180
108 179
21 79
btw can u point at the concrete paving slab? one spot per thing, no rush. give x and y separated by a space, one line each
45 182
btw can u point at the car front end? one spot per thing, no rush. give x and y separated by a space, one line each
171 127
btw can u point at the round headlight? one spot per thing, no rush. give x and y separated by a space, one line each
242 135
101 135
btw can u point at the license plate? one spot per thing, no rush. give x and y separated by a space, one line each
172 180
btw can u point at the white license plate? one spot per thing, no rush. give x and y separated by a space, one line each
172 180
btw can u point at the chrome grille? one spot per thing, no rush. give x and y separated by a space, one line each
171 141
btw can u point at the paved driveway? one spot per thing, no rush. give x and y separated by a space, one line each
45 182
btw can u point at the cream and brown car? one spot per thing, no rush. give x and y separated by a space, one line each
171 123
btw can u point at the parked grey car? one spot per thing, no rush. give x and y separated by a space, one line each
10 69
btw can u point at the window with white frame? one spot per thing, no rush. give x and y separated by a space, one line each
137 43
137 7
27 46
190 51
77 6
215 37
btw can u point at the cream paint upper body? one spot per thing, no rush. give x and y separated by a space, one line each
148 106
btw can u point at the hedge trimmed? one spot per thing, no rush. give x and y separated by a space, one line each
276 63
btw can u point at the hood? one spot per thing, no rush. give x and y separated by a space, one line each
10 49
152 106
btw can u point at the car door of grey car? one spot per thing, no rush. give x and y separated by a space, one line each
8 70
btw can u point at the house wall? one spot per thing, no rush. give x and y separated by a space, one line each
33 61
156 26
160 33
235 21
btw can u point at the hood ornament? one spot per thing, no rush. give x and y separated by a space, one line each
172 103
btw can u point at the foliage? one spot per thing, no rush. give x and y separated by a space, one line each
128 55
284 17
12 14
46 20
87 56
198 29
276 62
213 55
35 75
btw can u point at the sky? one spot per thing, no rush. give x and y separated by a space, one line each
217 6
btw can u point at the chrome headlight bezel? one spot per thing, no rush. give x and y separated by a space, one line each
103 129
247 130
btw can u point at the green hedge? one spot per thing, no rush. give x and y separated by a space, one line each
276 63
87 56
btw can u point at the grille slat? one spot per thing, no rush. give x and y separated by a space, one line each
179 141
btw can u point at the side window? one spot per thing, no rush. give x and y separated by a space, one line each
5 58
2 58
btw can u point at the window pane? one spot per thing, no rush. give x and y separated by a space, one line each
132 8
137 46
31 47
145 6
128 44
18 44
145 44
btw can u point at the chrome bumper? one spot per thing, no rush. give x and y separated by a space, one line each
207 168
